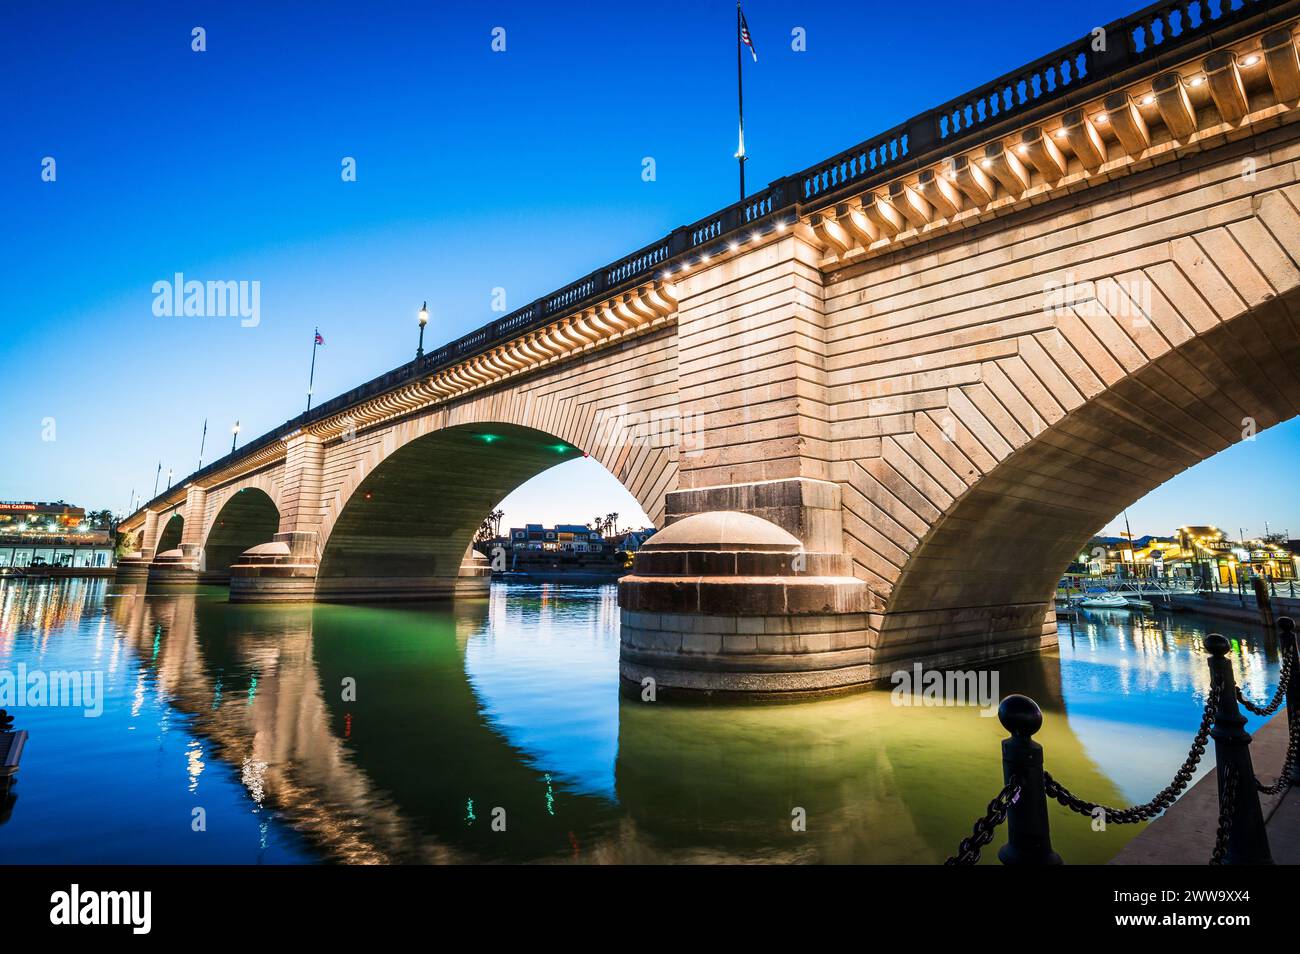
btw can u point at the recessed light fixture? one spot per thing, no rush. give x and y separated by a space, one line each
1148 99
1198 80
1060 133
987 163
1101 118
1250 60
1022 149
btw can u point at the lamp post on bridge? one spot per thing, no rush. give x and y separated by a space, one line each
424 320
234 436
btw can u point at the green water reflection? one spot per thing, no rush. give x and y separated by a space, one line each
493 730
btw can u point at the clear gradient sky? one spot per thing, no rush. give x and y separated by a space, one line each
475 170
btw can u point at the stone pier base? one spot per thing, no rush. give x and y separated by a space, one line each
176 567
728 602
133 568
475 579
282 571
745 593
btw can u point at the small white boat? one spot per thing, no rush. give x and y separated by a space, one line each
1114 601
1105 601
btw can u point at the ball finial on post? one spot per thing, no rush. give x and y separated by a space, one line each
1216 644
1020 715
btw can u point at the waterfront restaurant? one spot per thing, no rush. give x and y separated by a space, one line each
40 534
1201 553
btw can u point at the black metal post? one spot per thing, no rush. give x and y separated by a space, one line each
1029 842
1247 841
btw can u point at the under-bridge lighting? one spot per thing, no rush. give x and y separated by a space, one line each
1250 60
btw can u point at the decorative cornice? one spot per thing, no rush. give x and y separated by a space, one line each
1249 83
645 308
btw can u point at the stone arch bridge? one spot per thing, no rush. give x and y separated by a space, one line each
877 406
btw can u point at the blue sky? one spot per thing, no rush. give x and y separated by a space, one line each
475 170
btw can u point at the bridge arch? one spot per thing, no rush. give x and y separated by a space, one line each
987 567
169 534
403 528
247 517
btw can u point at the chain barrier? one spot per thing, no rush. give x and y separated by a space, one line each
1227 802
1287 775
1163 799
968 852
1279 697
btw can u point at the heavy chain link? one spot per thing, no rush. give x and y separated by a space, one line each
1163 799
1287 775
1226 804
1279 697
968 852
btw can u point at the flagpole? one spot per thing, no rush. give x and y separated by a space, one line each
157 474
740 101
203 443
311 381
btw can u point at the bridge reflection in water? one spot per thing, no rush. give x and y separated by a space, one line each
513 704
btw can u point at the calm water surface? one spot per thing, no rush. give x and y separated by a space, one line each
509 708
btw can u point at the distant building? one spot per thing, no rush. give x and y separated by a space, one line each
1202 553
39 516
36 533
631 540
562 538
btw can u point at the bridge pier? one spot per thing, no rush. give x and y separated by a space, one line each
133 568
281 571
747 593
285 570
178 566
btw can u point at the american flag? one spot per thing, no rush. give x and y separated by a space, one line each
745 38
319 339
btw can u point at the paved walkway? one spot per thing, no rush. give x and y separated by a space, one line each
1184 835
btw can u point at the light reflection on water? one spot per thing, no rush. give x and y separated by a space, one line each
508 709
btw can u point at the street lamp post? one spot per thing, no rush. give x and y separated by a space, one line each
424 320
234 436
